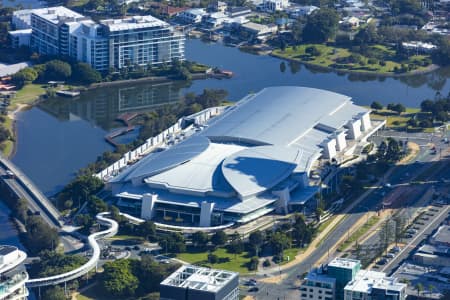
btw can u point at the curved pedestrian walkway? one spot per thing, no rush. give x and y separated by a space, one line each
113 227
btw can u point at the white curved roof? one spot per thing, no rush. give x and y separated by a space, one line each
251 147
254 170
162 161
279 115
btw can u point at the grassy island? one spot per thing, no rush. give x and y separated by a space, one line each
380 60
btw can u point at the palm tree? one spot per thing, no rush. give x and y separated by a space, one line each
419 288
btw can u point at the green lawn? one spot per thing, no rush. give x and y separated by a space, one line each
291 252
335 57
28 94
358 233
8 146
230 261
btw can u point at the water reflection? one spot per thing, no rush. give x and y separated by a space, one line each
102 106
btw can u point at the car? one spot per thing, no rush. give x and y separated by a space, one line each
128 248
253 289
382 261
411 231
396 249
390 255
136 248
408 236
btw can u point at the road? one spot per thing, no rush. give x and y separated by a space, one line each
24 188
416 240
286 289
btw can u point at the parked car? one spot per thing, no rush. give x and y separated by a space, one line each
382 261
396 249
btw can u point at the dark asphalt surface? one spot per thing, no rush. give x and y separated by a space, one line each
287 288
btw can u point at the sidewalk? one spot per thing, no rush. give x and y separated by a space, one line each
315 243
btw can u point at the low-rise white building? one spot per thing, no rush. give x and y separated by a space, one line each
192 16
419 46
274 5
214 20
372 285
301 11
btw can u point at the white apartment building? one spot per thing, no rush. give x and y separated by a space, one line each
48 34
142 40
275 5
12 275
113 43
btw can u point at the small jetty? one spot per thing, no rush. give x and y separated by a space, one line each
68 93
124 118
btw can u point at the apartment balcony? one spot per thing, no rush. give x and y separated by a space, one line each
13 287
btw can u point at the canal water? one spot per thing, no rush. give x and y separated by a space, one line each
60 136
9 235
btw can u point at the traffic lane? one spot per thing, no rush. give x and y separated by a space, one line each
31 203
417 240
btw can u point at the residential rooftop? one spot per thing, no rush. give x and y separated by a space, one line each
442 236
135 22
57 14
367 280
344 263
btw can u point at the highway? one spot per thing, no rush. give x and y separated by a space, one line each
24 188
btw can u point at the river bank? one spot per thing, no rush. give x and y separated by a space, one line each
33 98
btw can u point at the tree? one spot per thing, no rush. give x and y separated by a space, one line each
253 263
399 227
219 238
57 70
117 278
24 76
96 205
212 258
200 239
84 220
321 25
376 105
427 106
20 209
419 288
256 239
54 293
366 35
39 235
399 108
84 73
279 242
147 230
150 273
